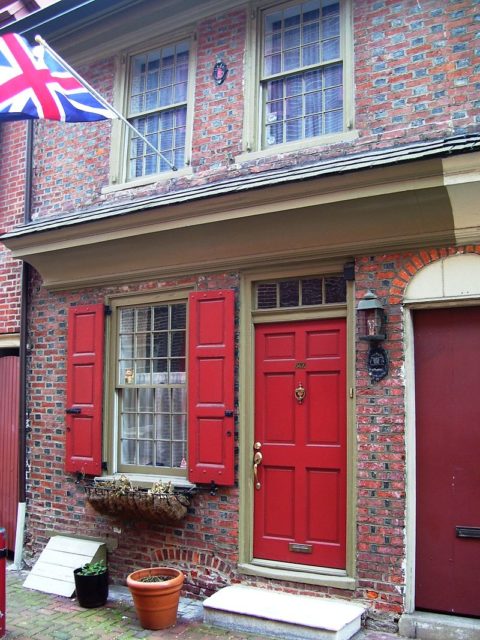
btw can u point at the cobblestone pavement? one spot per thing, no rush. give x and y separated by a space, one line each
32 615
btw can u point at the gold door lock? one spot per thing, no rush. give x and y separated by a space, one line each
257 460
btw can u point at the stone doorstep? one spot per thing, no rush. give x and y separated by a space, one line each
282 615
437 626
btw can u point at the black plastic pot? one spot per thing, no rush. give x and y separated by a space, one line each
92 591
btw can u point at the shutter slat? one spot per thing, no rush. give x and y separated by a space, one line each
84 389
211 387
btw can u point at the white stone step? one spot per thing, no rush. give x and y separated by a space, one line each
282 615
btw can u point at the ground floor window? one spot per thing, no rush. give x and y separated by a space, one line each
151 386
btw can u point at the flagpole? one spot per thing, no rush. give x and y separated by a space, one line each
101 99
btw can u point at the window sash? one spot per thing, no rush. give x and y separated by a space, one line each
316 106
157 106
151 390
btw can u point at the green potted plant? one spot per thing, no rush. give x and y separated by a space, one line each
156 593
91 584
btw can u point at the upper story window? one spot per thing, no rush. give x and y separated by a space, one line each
302 65
157 108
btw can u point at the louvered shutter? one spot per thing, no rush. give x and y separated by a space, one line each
84 389
211 387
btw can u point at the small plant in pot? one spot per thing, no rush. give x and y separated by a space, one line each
91 584
156 593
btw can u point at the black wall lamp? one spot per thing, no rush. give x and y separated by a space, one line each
371 321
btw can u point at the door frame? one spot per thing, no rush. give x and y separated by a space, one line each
410 436
342 579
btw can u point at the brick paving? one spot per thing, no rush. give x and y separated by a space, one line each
32 615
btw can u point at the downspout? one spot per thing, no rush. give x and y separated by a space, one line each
23 415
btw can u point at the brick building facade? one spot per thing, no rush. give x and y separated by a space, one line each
382 196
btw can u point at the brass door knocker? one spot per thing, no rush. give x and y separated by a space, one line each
300 393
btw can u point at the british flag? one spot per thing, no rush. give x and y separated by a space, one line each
33 85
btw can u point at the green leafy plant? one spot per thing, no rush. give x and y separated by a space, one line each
93 568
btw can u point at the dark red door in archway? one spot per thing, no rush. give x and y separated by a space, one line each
300 432
447 398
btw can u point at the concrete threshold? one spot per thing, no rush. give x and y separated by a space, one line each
437 626
282 615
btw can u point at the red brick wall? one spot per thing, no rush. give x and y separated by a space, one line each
416 74
381 432
205 544
12 183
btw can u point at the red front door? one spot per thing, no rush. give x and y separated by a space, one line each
300 495
447 398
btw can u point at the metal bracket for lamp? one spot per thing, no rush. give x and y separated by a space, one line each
371 319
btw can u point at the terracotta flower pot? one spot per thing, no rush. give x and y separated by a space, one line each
156 603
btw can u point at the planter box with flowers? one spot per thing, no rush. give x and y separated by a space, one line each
120 499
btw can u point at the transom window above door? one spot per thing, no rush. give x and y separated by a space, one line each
300 292
157 108
302 71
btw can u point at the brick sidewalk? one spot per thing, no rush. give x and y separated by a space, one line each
32 615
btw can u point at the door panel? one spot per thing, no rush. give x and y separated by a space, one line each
300 507
447 383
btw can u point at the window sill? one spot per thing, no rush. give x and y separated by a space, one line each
302 145
144 182
305 575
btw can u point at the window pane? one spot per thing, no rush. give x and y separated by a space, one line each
129 428
179 399
335 289
160 345
267 296
145 452
162 426
162 400
178 454
129 448
289 293
179 427
160 322
179 316
334 122
311 291
145 426
163 458
177 346
145 399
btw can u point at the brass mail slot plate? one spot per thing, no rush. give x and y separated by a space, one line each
468 532
300 548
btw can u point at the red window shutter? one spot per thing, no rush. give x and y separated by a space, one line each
210 387
85 389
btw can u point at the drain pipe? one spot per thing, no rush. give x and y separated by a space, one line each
23 416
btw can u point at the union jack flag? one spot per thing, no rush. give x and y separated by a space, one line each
33 85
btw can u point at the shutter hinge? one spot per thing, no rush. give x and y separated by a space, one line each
104 466
108 310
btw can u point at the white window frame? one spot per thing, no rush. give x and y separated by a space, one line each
253 125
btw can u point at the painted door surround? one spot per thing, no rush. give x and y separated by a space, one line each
249 320
449 282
